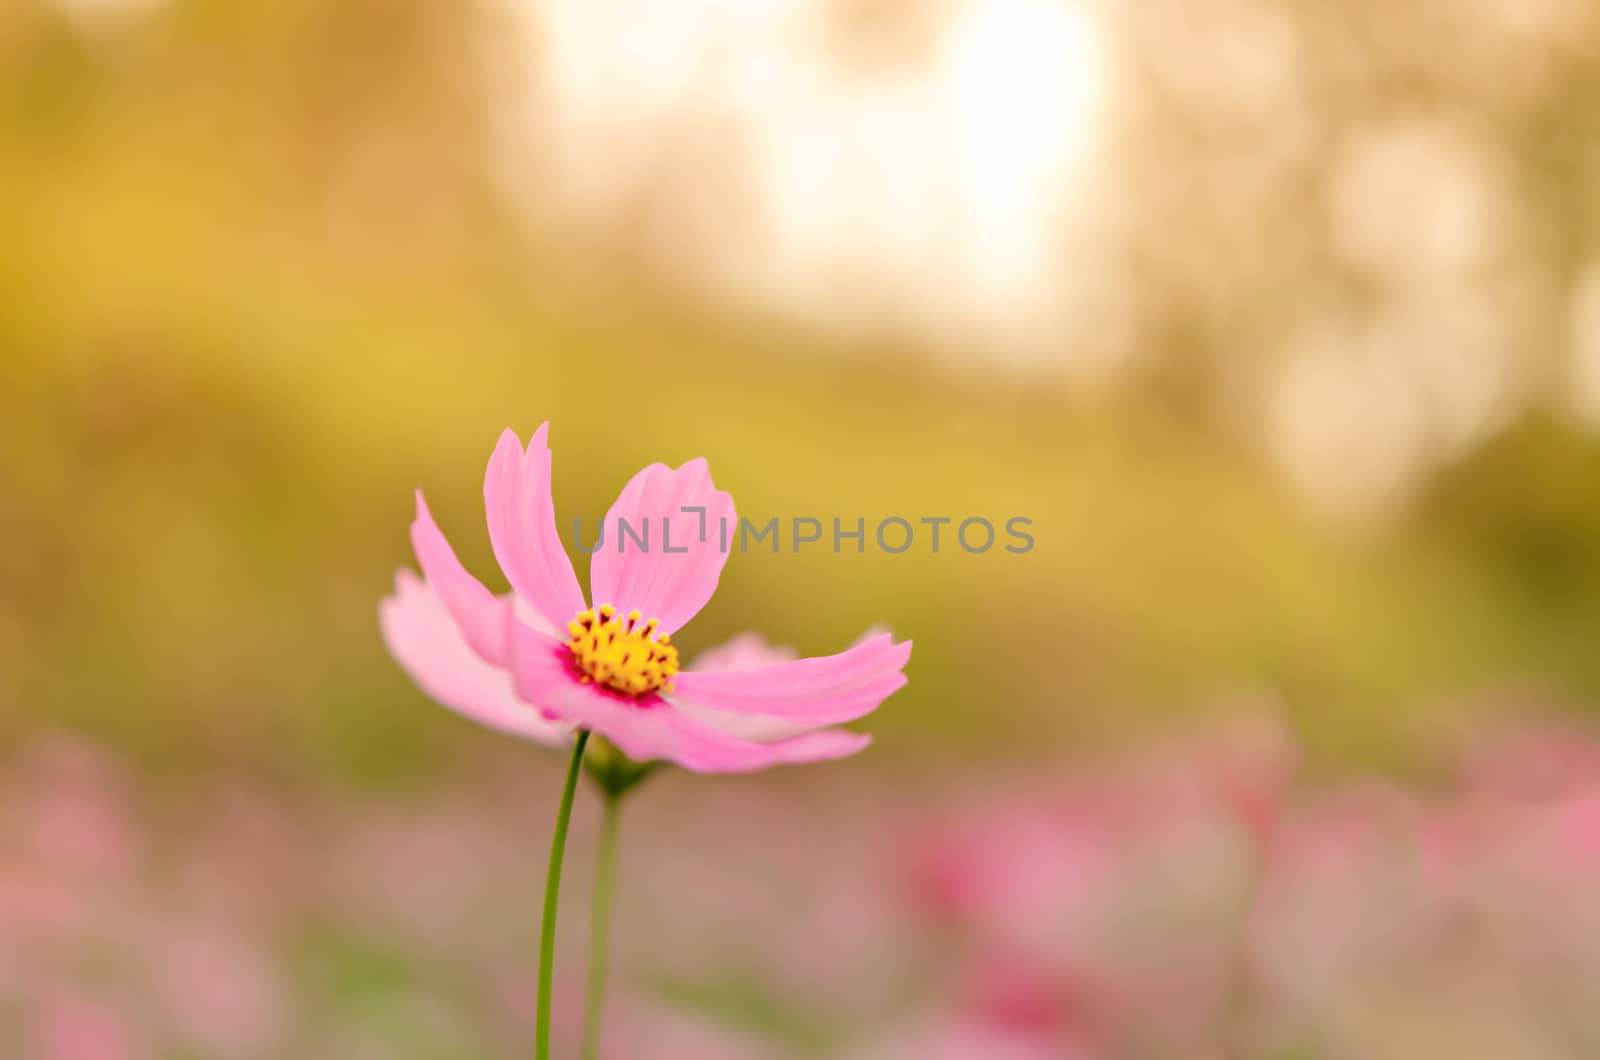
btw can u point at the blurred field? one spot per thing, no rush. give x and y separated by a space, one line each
778 918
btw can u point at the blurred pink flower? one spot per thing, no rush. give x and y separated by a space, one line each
255 864
646 1029
1533 761
1013 993
1083 908
959 1037
75 810
1577 830
1346 887
1061 854
612 668
444 865
67 1025
76 852
837 942
1011 868
220 993
743 651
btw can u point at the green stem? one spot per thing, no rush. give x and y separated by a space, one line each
605 878
552 890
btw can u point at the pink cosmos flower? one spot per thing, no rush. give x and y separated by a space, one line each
542 661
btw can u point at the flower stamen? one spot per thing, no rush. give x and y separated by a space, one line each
622 653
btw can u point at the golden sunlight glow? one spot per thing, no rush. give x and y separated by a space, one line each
924 191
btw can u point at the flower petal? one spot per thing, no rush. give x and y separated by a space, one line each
653 729
744 651
757 728
522 528
428 643
677 508
479 613
816 691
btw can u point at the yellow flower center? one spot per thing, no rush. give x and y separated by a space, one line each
622 653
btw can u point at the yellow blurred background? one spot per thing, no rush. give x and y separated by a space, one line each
1280 322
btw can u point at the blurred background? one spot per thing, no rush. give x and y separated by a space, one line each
1281 322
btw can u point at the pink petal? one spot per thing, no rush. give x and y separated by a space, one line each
477 611
757 728
430 645
652 729
817 691
522 528
746 651
669 586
